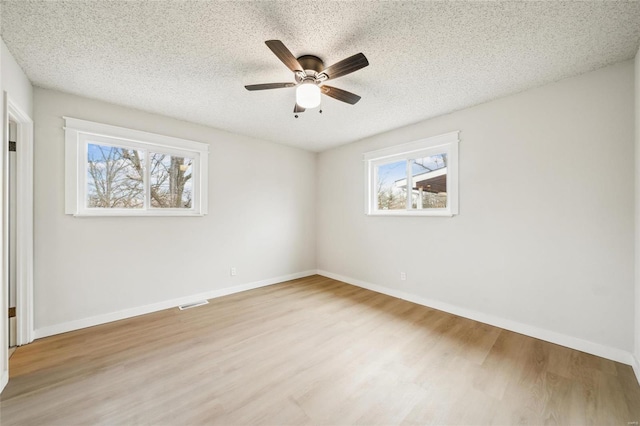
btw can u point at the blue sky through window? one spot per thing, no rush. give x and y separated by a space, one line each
96 152
391 172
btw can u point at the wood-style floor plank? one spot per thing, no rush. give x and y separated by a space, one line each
312 351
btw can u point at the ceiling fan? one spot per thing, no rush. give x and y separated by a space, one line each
310 76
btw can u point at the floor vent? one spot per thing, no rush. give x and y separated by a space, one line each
193 305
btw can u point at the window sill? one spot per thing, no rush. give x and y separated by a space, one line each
139 214
441 213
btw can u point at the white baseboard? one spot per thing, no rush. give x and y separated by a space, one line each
635 363
167 304
593 348
4 380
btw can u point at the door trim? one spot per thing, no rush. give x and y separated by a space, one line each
24 220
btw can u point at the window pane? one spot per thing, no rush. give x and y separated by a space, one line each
114 177
392 186
171 182
429 182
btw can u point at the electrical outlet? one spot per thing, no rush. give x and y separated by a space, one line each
233 272
403 276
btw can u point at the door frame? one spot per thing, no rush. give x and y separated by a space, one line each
24 231
24 218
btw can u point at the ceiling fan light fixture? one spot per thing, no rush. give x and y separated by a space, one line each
308 95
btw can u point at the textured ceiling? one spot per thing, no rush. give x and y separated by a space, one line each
190 60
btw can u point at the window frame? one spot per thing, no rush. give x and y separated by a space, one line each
442 144
80 133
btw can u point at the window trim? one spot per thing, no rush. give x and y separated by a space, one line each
445 143
76 145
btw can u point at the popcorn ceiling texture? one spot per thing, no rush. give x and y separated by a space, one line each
190 60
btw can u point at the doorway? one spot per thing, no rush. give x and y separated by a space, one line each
17 279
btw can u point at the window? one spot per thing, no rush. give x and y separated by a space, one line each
415 179
116 171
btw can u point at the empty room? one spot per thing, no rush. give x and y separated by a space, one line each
320 213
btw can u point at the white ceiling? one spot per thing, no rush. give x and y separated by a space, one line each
190 60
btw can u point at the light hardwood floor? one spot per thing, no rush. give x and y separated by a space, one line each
311 351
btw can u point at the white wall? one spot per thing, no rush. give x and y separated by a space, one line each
544 239
637 216
261 220
15 83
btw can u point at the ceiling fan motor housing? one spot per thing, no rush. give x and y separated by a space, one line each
312 65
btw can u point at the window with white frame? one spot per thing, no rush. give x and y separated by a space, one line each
414 179
114 171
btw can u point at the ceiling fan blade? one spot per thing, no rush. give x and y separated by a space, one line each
346 66
268 86
298 108
284 55
341 95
